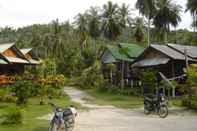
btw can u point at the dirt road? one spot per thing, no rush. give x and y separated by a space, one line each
109 118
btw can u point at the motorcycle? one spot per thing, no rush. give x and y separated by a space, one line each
63 119
156 104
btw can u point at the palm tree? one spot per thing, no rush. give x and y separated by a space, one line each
147 8
192 7
111 26
94 22
139 27
82 28
124 13
167 14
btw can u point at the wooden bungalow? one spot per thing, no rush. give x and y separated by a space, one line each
170 59
117 61
28 53
12 61
14 58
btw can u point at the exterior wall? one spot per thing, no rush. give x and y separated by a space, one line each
10 53
28 56
11 69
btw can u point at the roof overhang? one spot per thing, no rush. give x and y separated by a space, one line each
148 62
16 60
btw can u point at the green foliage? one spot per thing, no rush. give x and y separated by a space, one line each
22 91
92 76
12 116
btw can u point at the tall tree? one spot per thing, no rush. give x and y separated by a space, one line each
147 8
111 26
94 22
139 31
82 28
124 13
167 14
192 7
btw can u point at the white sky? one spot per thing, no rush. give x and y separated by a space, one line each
18 13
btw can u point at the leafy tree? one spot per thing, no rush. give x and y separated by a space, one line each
148 9
111 25
167 14
192 7
22 90
94 22
124 13
139 29
82 29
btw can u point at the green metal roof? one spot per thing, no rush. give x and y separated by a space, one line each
123 51
119 53
133 50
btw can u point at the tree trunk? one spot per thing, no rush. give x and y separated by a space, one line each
165 37
148 31
122 76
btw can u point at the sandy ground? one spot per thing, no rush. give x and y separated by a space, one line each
109 118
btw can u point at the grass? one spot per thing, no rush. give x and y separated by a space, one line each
31 112
114 99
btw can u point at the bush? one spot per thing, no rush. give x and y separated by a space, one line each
13 116
6 96
92 77
22 91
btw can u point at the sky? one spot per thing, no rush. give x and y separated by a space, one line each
19 13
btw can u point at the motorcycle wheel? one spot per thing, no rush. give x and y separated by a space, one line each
163 111
147 108
53 127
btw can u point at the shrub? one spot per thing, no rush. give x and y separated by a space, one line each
22 91
148 78
92 77
13 116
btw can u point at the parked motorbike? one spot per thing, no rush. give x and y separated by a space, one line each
63 119
156 104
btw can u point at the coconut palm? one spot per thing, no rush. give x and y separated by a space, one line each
94 22
192 7
111 26
82 28
124 13
139 29
167 14
147 8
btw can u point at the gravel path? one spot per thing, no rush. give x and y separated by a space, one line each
109 118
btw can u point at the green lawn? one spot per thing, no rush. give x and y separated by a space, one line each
115 99
31 112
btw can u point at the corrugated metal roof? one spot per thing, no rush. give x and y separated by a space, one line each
25 51
16 60
3 61
169 52
4 47
151 62
119 53
133 50
32 61
107 57
191 50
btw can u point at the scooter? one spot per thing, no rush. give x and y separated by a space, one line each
63 119
156 104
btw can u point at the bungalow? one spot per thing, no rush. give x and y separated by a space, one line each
13 60
117 61
169 59
28 53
